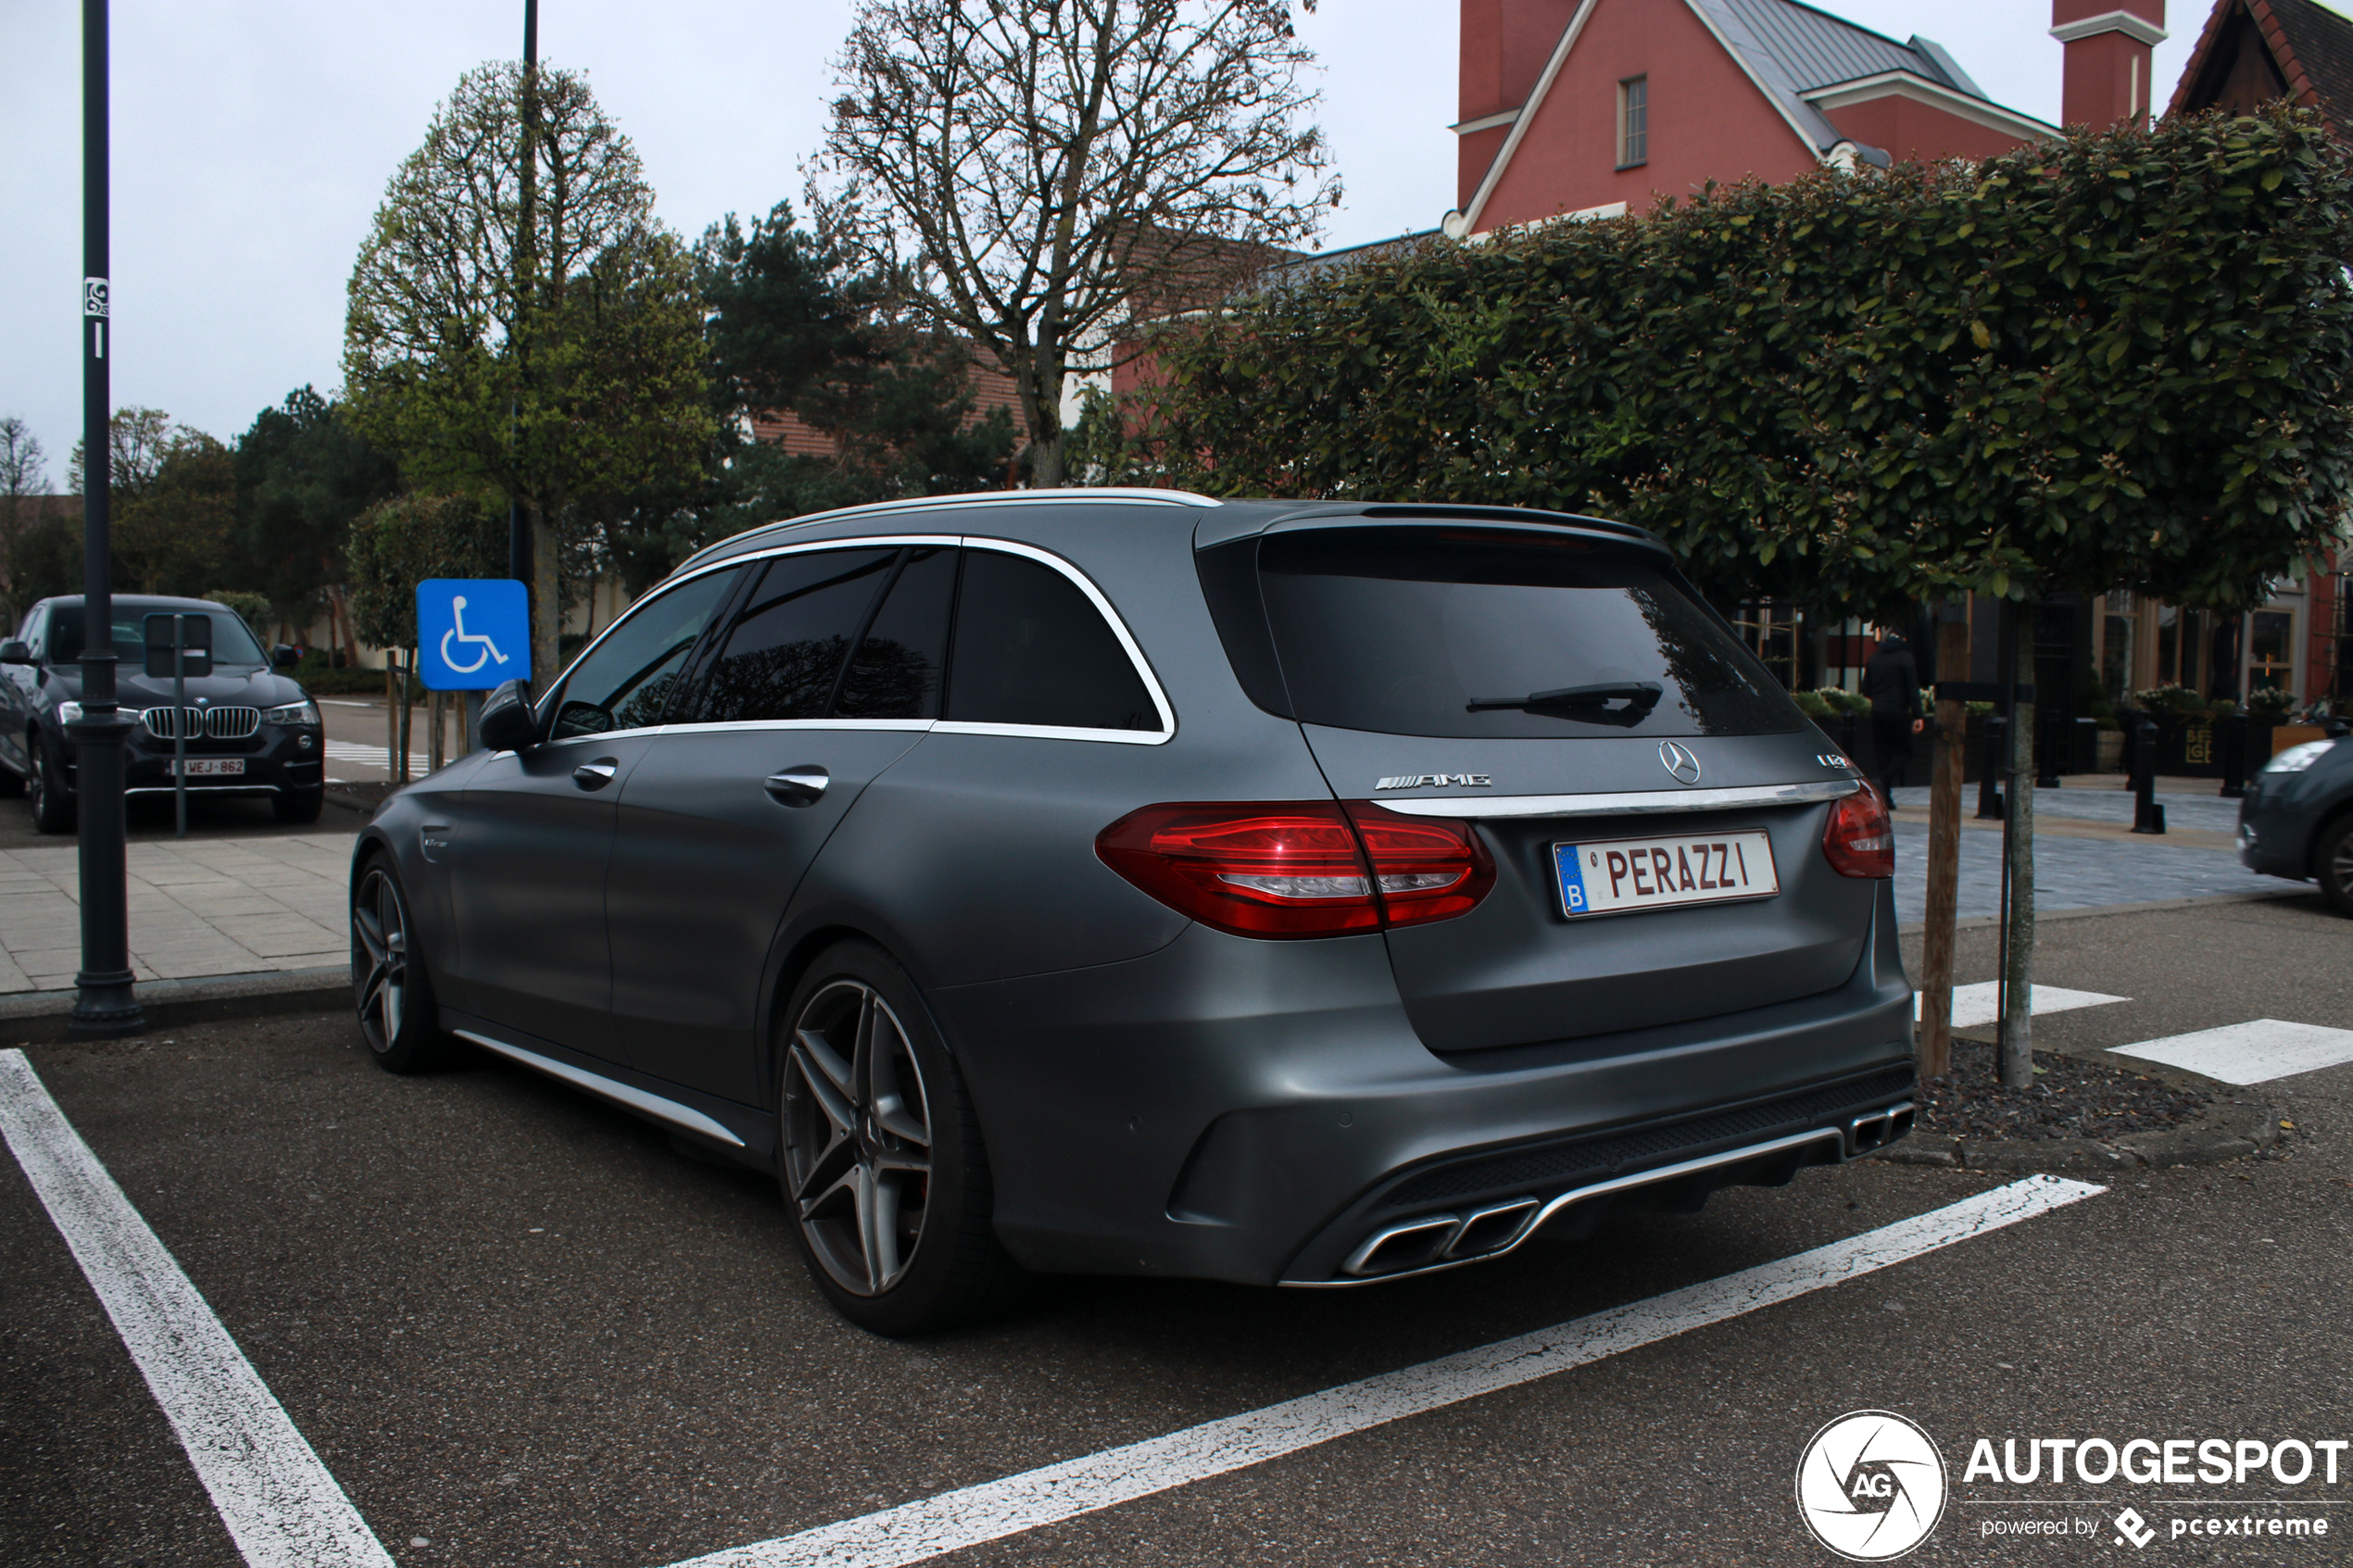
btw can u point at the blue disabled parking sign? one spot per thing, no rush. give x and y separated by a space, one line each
473 632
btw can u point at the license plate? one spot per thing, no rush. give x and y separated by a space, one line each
212 767
1620 875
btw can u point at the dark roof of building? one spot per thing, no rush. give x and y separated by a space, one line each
2311 45
1817 49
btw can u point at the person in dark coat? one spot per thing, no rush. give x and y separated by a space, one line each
1893 682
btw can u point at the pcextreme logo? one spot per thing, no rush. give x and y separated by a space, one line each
1871 1485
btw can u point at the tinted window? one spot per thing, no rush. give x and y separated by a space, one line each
624 682
896 674
231 644
1032 650
787 645
1417 632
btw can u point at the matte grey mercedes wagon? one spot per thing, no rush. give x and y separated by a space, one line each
1123 882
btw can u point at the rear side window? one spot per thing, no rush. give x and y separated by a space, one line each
1032 650
901 658
1460 633
784 652
624 682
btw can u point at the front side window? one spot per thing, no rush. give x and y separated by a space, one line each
624 682
1031 648
1471 632
784 655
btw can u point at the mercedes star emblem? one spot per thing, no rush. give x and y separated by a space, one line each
1679 760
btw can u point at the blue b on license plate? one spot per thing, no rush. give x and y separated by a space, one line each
1621 875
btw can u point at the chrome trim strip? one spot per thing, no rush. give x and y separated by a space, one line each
1835 1135
978 498
1632 804
668 1110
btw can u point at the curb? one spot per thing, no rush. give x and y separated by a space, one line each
2094 911
41 1017
2227 1132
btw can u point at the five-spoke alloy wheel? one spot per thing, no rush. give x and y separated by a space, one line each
879 1152
857 1137
388 985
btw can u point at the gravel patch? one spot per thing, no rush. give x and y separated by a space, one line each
2069 1099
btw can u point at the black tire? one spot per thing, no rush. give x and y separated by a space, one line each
852 1129
52 803
2332 865
390 990
297 805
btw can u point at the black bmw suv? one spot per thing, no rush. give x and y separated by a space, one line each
250 731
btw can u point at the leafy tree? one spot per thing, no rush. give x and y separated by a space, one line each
171 535
302 475
554 365
400 541
173 494
1041 171
2122 359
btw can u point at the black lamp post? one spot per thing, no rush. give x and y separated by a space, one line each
106 1005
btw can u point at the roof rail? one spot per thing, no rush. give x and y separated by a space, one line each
972 498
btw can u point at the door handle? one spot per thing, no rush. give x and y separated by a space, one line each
799 787
594 775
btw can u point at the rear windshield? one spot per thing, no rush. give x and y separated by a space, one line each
1443 632
231 643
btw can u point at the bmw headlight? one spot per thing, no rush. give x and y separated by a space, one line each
68 712
2296 758
303 713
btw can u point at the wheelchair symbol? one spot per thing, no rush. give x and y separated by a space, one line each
489 650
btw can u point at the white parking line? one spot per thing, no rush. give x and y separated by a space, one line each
281 1507
1980 1004
2250 1053
995 1510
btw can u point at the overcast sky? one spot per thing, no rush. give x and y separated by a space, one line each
252 138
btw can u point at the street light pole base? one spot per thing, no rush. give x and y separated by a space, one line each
106 1007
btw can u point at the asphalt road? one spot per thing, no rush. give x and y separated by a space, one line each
518 1328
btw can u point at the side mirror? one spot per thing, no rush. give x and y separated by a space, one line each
285 656
15 652
507 723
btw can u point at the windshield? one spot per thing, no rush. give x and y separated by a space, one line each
231 643
1476 632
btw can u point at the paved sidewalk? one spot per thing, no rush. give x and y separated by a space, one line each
198 907
2073 872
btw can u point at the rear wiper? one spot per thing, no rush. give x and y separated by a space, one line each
1639 697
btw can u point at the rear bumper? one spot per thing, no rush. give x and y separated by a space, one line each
1257 1111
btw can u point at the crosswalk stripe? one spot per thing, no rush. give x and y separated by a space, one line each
2254 1052
1978 1004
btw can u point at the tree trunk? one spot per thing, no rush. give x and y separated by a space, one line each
1947 758
408 715
546 602
2018 845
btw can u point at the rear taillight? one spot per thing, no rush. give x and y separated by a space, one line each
1427 868
1298 868
1860 840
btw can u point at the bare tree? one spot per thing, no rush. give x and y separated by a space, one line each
24 473
1046 172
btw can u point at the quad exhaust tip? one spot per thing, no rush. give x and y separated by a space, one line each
1441 1238
1437 1241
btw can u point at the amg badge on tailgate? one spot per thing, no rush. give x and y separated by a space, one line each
1436 781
